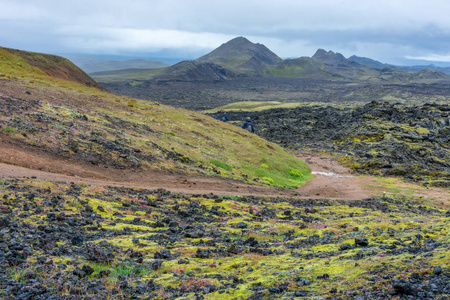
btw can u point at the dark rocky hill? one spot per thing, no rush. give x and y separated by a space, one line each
193 71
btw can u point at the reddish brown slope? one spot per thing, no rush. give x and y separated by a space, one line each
56 66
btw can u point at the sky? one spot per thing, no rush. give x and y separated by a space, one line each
402 32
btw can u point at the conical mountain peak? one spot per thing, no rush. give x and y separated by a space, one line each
238 51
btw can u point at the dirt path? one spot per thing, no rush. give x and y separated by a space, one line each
332 182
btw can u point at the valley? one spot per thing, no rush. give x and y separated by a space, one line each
342 193
207 95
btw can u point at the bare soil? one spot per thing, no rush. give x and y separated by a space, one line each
332 180
24 161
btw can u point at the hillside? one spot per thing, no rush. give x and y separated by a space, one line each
53 66
107 131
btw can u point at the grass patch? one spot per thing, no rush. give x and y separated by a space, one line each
7 129
221 164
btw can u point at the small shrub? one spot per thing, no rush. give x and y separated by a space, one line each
268 180
295 173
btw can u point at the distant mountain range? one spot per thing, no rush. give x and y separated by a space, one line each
376 64
96 64
240 57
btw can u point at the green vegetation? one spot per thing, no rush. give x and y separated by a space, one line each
221 164
126 132
263 105
291 242
7 129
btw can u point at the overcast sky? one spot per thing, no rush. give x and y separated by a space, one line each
390 31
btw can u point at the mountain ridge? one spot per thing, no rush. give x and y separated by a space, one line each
241 57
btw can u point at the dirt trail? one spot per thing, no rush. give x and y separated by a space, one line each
33 163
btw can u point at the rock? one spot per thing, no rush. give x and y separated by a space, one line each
300 294
157 264
104 273
202 253
437 270
345 246
363 242
87 269
80 273
241 225
403 287
77 241
4 222
274 290
183 261
95 253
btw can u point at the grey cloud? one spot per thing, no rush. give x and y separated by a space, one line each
381 28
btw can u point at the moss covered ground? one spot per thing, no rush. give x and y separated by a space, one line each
154 244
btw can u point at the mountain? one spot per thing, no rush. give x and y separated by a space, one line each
370 62
111 65
329 58
374 63
240 57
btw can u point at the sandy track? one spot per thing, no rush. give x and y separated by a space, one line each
36 164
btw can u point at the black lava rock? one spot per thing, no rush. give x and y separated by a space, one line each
274 290
363 242
77 241
345 246
241 225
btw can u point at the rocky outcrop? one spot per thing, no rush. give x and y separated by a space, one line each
412 141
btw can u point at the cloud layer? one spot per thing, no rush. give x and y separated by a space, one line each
387 30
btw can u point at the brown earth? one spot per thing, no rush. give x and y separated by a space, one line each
25 161
331 181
